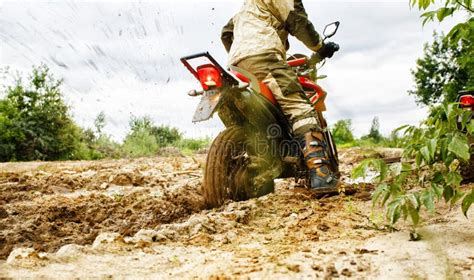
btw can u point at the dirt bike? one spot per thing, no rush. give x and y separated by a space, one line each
257 145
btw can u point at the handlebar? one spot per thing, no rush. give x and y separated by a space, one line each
315 59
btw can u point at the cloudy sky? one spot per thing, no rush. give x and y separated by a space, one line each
123 57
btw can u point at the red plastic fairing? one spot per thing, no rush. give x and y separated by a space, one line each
318 95
467 101
264 89
308 84
241 77
297 62
209 76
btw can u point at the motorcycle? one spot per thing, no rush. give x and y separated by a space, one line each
257 144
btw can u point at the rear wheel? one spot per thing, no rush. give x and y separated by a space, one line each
227 175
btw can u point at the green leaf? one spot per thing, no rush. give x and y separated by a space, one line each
459 147
427 198
425 152
450 110
381 189
432 144
448 193
418 159
414 200
406 167
361 169
393 210
467 201
442 13
437 190
470 127
453 179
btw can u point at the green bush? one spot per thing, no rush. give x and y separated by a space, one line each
35 123
193 145
164 135
139 143
437 147
342 132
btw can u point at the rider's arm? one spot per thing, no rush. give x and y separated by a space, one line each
227 35
298 25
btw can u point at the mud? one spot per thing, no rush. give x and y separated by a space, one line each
52 205
145 219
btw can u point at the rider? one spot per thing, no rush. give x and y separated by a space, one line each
257 40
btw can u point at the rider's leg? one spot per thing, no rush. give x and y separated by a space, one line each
288 92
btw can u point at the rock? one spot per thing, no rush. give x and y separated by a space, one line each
26 257
122 179
148 235
316 267
69 252
3 213
293 267
346 272
107 238
331 271
201 239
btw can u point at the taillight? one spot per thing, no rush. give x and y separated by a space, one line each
209 76
466 101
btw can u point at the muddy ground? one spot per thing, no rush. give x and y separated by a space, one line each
145 218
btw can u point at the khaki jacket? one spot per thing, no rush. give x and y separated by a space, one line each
263 26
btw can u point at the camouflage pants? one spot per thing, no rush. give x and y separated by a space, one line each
284 84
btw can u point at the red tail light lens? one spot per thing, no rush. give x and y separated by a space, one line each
209 76
467 101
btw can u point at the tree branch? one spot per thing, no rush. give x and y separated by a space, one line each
464 6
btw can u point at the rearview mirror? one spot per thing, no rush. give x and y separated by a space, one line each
331 29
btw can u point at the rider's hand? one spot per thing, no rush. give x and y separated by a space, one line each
328 49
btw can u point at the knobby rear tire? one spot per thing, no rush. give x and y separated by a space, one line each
221 168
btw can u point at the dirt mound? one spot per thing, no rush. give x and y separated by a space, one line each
47 207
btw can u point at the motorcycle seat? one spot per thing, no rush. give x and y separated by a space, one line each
262 87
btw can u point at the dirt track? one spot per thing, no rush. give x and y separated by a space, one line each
145 218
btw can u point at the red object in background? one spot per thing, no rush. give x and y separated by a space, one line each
467 101
209 76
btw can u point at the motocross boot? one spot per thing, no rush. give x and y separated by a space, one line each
314 148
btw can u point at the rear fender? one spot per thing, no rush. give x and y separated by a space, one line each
262 114
210 102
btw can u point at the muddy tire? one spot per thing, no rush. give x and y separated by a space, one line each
226 174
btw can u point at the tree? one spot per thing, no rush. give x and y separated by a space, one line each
342 131
145 138
34 121
439 75
460 38
374 132
163 134
437 146
99 122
